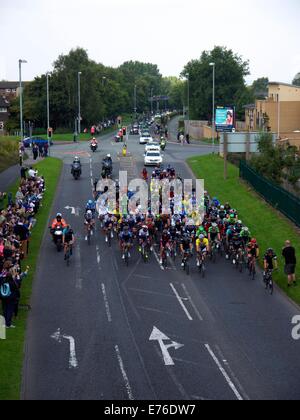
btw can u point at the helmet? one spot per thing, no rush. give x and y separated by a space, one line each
76 159
90 202
108 156
239 222
254 241
126 228
145 228
165 232
201 237
270 251
89 212
222 208
214 225
59 215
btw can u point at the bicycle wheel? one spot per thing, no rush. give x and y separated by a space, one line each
271 286
89 237
109 238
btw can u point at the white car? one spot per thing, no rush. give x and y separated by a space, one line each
153 158
145 138
152 147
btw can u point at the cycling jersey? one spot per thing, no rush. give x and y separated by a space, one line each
186 244
68 234
202 244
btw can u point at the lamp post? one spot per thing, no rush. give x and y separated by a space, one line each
188 101
48 110
103 85
21 96
278 113
135 102
151 101
213 65
79 106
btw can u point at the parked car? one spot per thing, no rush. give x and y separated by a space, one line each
153 158
29 141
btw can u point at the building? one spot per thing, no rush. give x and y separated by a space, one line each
4 113
9 90
279 112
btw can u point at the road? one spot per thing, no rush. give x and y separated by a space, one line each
101 331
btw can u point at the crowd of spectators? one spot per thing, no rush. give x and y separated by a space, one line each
17 219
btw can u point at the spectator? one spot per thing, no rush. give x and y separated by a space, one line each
289 254
187 137
32 173
2 199
35 151
23 172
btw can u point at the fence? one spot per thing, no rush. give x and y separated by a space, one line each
280 199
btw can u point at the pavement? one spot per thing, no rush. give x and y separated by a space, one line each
99 330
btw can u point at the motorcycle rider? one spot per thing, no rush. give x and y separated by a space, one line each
94 143
107 163
76 165
58 222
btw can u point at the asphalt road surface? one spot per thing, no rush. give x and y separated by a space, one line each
103 331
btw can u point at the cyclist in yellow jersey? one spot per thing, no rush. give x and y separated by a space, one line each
202 248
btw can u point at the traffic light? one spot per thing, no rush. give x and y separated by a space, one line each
124 131
50 132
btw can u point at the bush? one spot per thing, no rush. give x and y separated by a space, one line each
9 154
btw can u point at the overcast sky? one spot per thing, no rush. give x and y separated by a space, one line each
168 33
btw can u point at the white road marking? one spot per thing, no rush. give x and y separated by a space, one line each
73 210
57 336
191 302
124 374
159 336
98 254
108 313
181 303
157 259
78 267
224 373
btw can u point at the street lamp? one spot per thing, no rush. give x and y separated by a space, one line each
213 65
135 102
188 101
151 101
48 109
278 113
21 97
79 110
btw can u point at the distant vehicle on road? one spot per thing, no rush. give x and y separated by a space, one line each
153 158
135 130
145 137
29 141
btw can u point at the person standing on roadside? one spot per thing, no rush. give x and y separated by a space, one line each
181 139
289 254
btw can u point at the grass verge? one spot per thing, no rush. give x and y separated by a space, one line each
9 154
12 349
266 224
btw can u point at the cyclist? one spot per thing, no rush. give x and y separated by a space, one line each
145 174
108 225
245 235
201 231
253 251
91 205
185 247
89 222
164 244
126 240
237 246
68 240
143 237
202 248
270 261
214 234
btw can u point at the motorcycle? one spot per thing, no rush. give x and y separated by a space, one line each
57 235
76 171
106 170
163 144
94 147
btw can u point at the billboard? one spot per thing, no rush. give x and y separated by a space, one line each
225 118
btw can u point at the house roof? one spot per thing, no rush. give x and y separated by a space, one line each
9 85
4 103
283 84
250 106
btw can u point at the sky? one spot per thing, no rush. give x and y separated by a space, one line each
168 33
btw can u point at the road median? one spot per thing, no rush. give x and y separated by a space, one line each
12 349
266 224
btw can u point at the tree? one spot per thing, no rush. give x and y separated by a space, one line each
296 80
260 88
231 71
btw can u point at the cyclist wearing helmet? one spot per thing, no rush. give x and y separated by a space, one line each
91 205
245 235
253 249
126 239
202 248
143 236
186 246
270 260
164 243
89 222
201 231
214 233
68 240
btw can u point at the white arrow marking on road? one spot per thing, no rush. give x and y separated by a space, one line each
157 335
57 336
71 208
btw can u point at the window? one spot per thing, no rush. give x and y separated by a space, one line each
3 109
8 90
1 125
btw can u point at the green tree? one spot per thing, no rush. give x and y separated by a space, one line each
260 88
296 80
231 71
